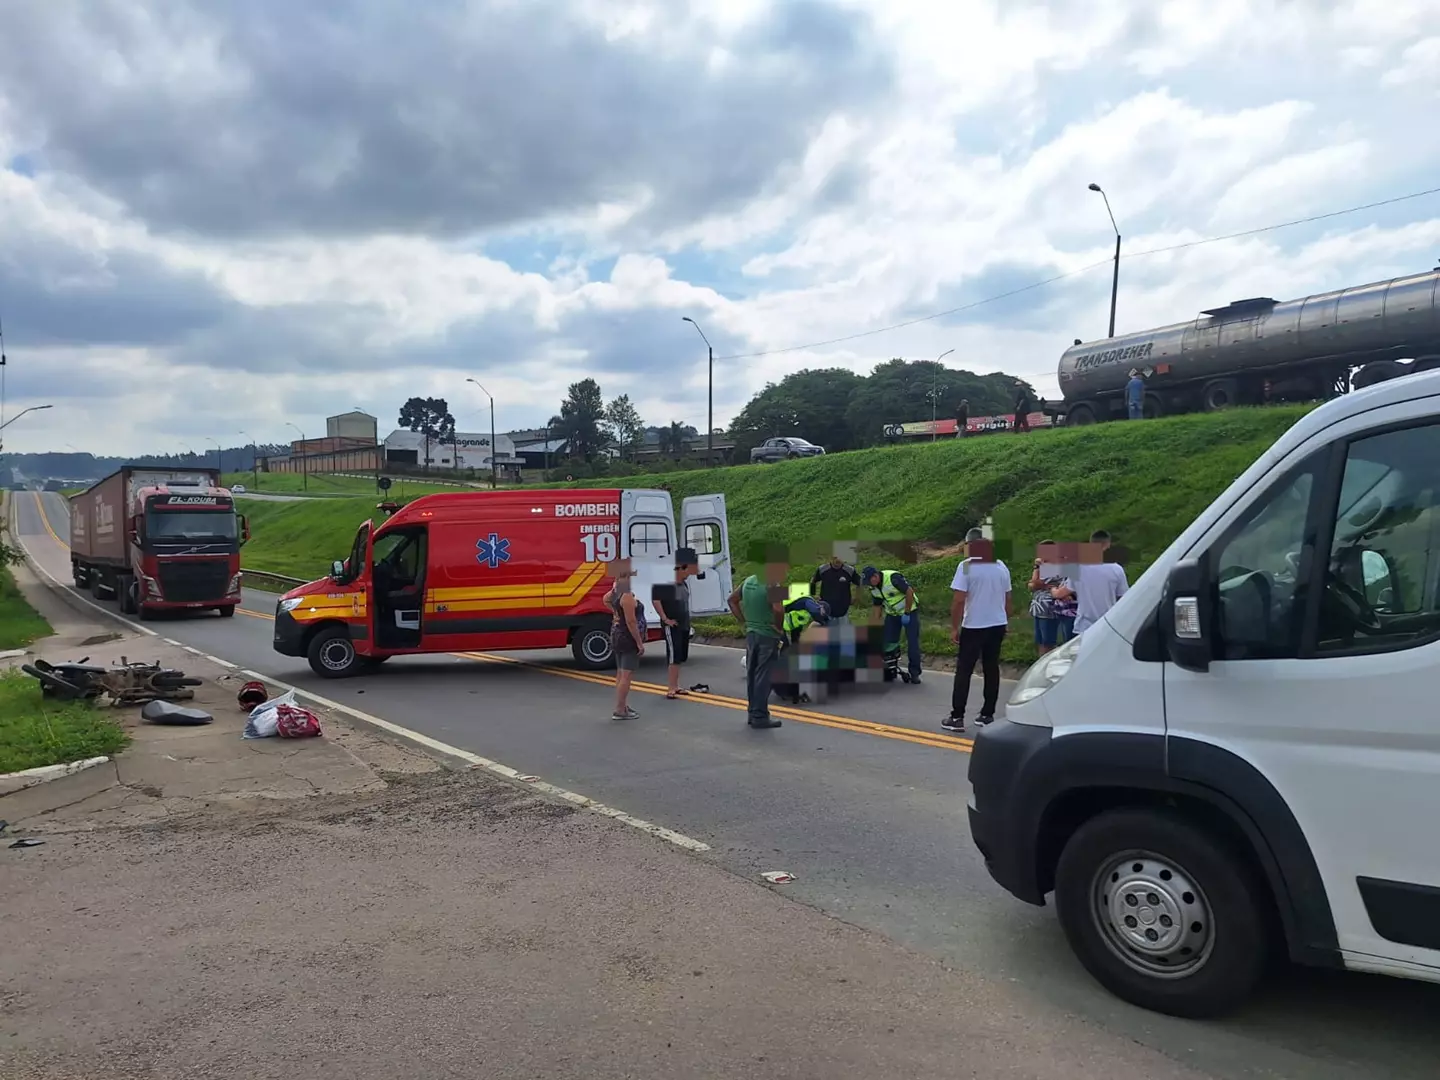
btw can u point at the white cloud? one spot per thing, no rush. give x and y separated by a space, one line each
966 177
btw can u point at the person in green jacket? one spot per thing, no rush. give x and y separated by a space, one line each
760 605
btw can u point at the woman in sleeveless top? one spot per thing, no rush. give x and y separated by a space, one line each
627 636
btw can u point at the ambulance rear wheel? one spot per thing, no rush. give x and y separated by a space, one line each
591 645
332 654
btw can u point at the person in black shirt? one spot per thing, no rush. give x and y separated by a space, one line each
672 607
833 582
1022 407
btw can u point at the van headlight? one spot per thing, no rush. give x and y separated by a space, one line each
292 603
1046 672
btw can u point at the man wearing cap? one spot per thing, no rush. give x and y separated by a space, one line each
892 594
672 607
1135 395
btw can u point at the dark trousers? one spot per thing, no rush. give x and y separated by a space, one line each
893 626
761 652
982 645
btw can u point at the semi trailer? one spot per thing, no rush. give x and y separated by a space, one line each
1260 350
158 540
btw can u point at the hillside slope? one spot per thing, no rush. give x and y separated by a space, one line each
1142 481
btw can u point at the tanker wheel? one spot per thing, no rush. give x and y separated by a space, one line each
1220 394
1154 406
1080 415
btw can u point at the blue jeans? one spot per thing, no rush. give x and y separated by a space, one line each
1136 409
912 635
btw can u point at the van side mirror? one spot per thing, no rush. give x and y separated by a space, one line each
337 569
1187 617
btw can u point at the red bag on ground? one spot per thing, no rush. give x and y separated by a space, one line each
296 722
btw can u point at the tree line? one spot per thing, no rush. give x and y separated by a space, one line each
834 407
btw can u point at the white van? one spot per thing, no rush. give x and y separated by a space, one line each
1242 759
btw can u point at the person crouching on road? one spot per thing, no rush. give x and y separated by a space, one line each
627 635
800 614
892 594
672 608
758 603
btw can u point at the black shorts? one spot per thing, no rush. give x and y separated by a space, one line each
677 642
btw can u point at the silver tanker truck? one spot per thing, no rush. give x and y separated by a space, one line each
1254 351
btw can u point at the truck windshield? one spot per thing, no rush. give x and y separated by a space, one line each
214 525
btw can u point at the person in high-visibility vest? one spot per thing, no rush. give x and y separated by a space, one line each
894 596
801 612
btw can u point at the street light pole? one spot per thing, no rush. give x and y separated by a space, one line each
22 412
494 450
935 391
254 459
710 396
1115 278
219 457
304 467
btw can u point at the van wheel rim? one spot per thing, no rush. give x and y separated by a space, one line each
596 646
1153 915
337 655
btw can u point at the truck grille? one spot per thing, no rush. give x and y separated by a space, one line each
200 579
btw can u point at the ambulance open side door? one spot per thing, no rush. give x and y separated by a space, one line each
647 539
703 526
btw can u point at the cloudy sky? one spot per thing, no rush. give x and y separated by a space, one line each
218 217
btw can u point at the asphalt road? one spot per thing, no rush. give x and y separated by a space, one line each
863 801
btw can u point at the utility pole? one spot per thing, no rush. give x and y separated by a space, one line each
1115 277
710 409
304 466
254 458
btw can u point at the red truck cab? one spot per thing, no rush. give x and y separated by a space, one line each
158 540
465 571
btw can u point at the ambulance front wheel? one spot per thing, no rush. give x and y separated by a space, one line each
332 654
591 645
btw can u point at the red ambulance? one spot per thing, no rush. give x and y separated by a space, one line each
465 571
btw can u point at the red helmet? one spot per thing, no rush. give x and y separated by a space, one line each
253 693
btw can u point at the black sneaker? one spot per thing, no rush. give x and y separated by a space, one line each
768 722
982 719
914 680
953 723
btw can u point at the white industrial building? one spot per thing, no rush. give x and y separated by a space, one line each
466 451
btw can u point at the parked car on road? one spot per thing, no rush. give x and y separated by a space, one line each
772 450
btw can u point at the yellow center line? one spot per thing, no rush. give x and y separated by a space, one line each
804 716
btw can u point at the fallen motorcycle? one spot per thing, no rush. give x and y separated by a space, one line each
124 684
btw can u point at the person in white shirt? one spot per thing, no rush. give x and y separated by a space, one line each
979 616
1096 587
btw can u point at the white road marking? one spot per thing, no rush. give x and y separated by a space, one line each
689 843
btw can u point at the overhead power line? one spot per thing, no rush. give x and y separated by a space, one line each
1082 270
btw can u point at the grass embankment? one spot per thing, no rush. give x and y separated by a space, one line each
36 731
327 485
1144 482
20 624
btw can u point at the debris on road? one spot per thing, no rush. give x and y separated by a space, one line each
778 877
165 712
123 684
281 716
27 841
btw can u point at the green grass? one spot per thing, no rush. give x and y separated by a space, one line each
20 624
1142 481
326 485
35 731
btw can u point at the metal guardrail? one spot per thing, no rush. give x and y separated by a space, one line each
274 577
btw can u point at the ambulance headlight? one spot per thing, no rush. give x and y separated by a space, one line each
292 603
1046 672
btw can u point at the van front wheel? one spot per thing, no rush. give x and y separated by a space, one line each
332 654
591 645
1161 914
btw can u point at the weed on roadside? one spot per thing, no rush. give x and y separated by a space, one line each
36 731
20 624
